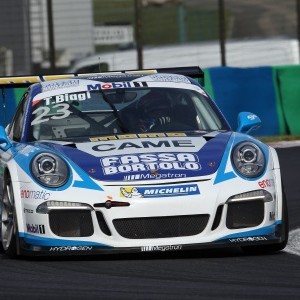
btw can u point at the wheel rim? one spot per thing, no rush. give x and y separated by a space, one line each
7 216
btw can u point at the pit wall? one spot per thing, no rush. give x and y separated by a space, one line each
272 93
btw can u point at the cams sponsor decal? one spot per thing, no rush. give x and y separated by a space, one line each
161 248
135 136
266 183
34 228
144 145
153 176
165 191
71 248
248 239
116 85
38 195
152 161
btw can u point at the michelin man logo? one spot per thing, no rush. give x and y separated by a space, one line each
132 193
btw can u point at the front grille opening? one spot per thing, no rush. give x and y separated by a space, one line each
102 223
218 216
245 214
71 223
161 227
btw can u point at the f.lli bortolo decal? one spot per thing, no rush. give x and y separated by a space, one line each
152 161
159 191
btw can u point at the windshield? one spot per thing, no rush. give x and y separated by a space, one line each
135 110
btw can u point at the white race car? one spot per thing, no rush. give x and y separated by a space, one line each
135 162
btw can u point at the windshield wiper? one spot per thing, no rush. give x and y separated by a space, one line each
115 112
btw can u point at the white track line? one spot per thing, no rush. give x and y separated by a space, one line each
293 245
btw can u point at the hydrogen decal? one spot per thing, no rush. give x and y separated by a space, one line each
34 228
152 161
71 248
161 248
135 136
267 231
37 195
144 145
116 85
67 98
52 242
248 239
153 176
161 191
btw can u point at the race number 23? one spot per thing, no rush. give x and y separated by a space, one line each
61 111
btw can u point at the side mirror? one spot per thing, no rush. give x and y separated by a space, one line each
4 142
247 122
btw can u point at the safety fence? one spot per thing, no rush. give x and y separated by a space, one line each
273 93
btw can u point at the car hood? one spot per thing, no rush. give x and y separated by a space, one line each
144 157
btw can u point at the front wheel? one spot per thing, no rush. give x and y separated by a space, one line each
9 226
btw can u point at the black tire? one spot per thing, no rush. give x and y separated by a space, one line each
263 249
9 228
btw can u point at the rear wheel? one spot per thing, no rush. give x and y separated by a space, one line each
9 227
284 234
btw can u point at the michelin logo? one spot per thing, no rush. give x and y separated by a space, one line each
166 191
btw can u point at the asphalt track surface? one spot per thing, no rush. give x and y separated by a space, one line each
217 274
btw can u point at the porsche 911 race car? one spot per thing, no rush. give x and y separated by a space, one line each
135 162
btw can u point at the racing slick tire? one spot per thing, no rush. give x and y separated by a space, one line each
9 227
262 249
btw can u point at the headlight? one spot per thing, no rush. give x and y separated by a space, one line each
248 159
49 169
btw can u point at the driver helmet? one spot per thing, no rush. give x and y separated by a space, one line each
155 105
